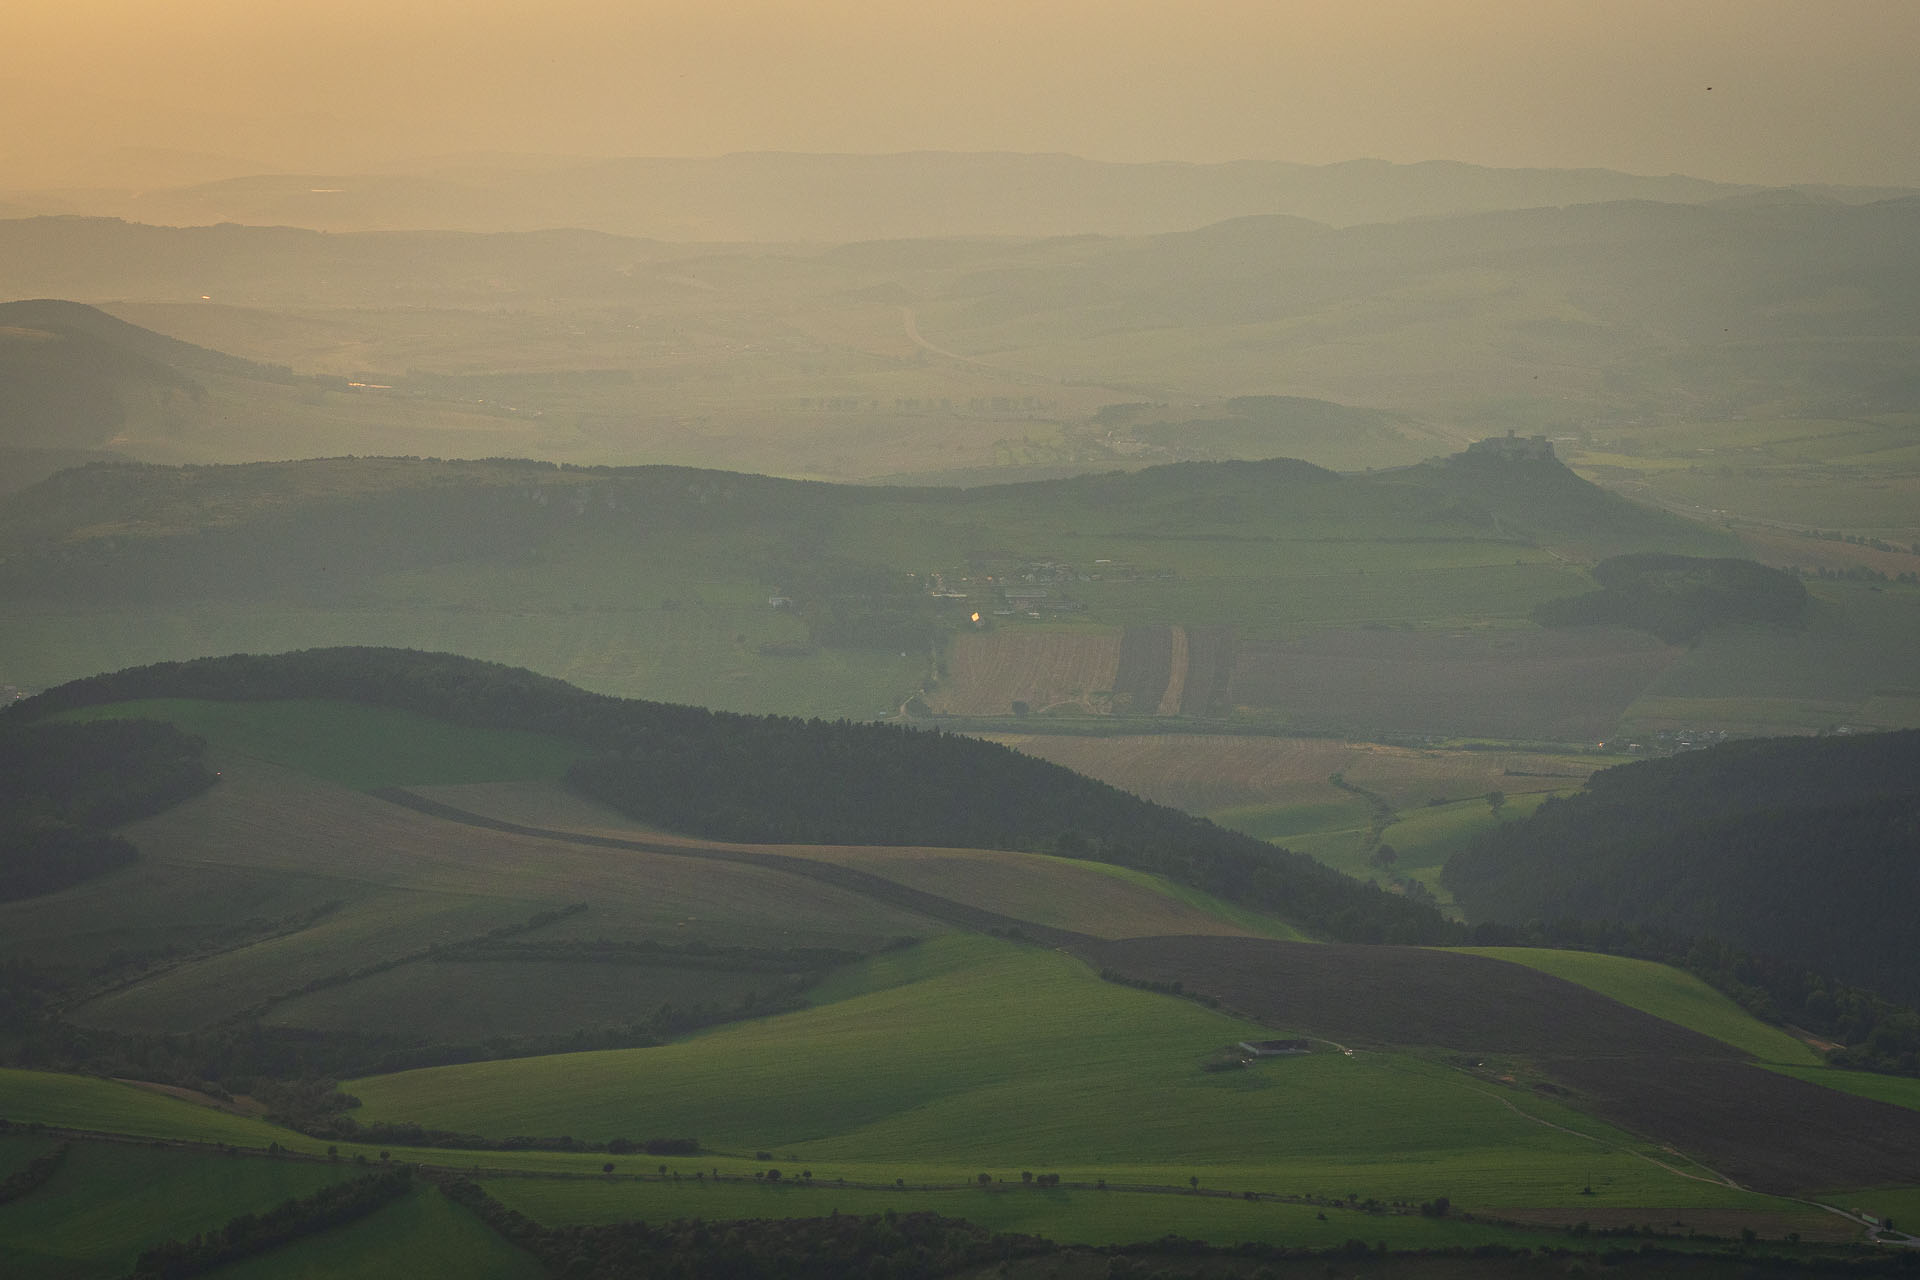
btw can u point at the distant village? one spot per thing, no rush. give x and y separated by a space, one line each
1038 588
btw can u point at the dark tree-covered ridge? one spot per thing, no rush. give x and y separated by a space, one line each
1679 597
62 786
1806 849
777 779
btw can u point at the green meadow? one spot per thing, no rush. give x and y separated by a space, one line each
110 1200
1666 992
1901 1091
107 1106
423 1236
932 1067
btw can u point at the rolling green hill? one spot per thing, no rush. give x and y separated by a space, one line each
1284 596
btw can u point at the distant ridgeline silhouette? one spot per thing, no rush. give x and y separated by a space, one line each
778 779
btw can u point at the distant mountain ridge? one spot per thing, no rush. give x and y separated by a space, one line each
785 196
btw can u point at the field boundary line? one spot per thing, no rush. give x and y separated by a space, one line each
879 888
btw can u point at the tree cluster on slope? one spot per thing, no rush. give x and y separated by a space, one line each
62 785
1800 849
1678 598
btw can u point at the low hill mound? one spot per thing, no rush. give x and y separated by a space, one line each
1679 597
1800 848
773 779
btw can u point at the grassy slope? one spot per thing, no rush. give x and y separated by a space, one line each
997 1056
677 608
356 746
108 1201
1666 993
1068 1215
1901 1091
18 1150
83 1102
423 1236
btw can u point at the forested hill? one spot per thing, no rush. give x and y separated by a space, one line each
774 779
1807 849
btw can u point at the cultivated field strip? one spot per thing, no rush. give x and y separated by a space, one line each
879 888
1141 684
1541 686
989 672
1084 897
1674 1086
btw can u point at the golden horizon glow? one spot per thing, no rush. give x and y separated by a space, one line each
1771 91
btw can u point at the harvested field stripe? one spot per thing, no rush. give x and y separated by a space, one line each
876 887
1176 675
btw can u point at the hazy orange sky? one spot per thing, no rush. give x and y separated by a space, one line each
1747 90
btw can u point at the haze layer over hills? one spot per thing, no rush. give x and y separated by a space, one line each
785 197
1357 520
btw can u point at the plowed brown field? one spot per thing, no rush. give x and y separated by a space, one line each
1650 1077
987 672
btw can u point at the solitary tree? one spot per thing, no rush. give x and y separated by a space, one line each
1496 801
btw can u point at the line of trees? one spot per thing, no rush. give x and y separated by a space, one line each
251 1234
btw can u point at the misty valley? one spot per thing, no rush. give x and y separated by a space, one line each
959 716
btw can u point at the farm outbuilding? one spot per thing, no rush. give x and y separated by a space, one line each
1270 1048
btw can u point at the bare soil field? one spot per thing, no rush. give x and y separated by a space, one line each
1205 773
1145 676
989 671
1206 688
1557 686
1639 1072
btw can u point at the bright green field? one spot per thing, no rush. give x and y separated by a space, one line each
1067 1215
1427 837
423 1236
1664 992
1901 1091
356 746
105 1106
932 1066
108 1201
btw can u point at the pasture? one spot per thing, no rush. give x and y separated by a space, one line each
108 1106
1669 993
422 1235
110 1200
1020 1059
1900 1091
1646 1074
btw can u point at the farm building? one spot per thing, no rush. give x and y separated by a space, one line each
1271 1048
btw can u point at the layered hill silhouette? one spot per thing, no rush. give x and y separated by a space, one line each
792 196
